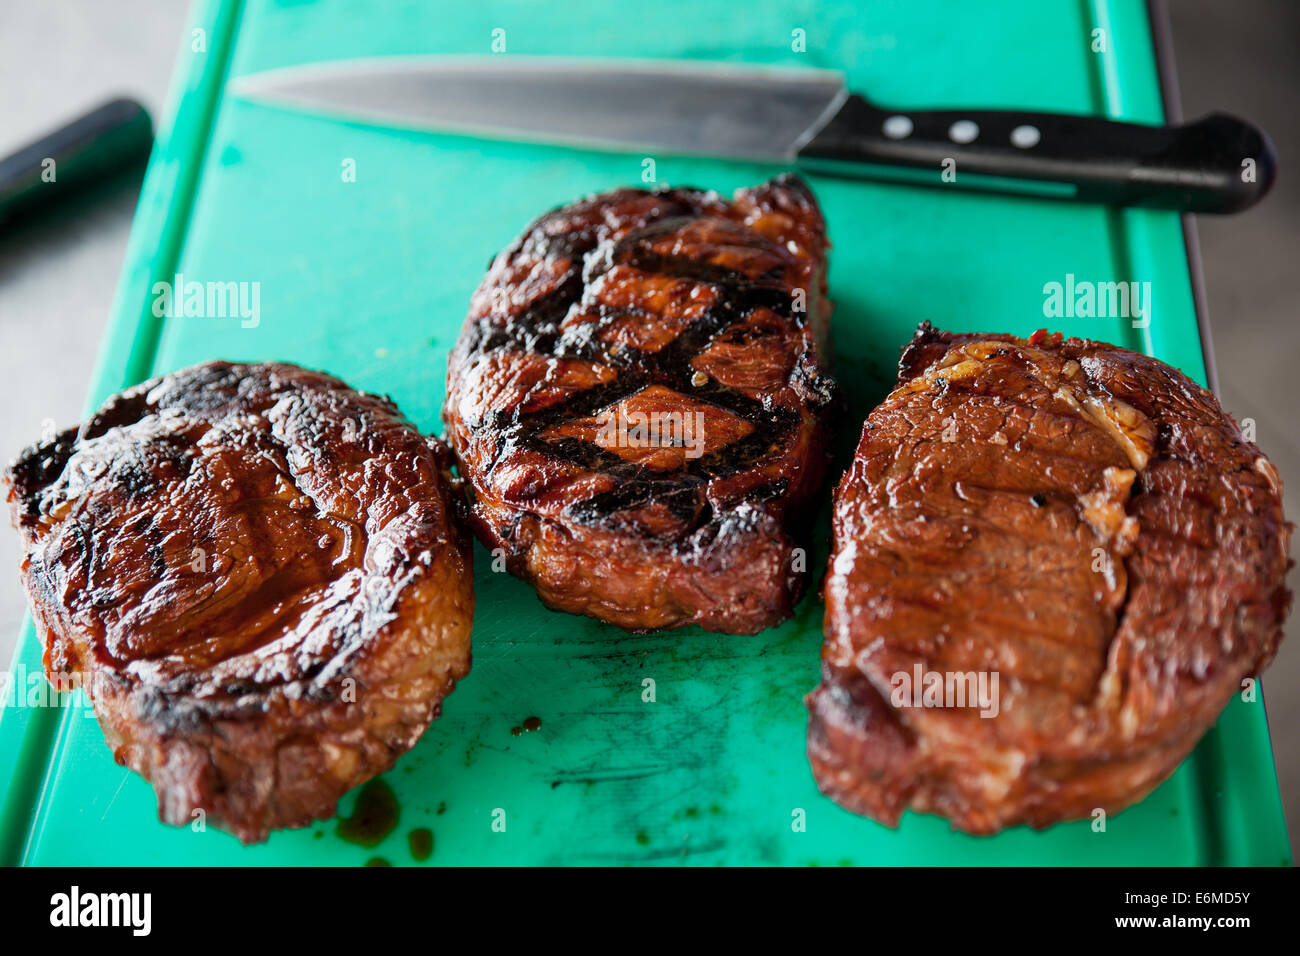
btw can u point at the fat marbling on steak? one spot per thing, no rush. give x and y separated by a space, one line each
254 572
639 399
1082 521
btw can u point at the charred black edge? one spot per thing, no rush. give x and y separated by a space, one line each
204 387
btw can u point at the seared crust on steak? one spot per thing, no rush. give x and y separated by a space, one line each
634 307
254 573
1079 519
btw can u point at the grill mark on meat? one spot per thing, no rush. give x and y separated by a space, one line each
323 524
669 366
568 323
1106 695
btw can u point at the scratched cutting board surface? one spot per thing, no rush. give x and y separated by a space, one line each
370 280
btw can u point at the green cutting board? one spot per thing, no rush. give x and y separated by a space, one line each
370 280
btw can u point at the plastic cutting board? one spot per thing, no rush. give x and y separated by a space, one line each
370 280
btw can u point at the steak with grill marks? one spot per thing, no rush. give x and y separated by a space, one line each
254 573
1078 521
639 400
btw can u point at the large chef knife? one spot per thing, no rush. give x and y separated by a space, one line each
1217 164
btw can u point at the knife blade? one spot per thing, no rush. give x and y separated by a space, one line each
1217 164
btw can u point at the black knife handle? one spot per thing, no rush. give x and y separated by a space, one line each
1197 167
109 138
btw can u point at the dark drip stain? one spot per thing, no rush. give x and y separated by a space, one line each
421 841
377 861
374 816
528 726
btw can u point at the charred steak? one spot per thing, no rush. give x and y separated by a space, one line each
253 572
1074 527
638 400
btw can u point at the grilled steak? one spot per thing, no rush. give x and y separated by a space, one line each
253 572
1078 520
639 402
